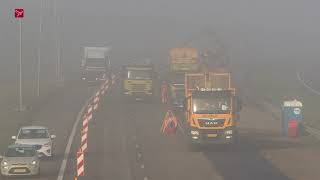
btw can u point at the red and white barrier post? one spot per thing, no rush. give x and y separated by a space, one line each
85 124
80 163
84 141
87 117
102 90
96 101
89 112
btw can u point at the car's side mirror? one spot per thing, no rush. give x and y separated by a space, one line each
53 136
13 137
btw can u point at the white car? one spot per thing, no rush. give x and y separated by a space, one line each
20 160
38 136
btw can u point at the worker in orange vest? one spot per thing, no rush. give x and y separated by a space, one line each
164 92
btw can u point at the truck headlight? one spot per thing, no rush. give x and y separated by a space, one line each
228 132
195 133
5 163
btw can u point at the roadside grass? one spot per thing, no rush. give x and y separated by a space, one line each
276 84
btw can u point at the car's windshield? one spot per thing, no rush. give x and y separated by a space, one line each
212 105
33 134
20 152
136 74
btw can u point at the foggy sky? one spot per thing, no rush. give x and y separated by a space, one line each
253 31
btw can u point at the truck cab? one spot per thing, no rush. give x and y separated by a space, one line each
95 64
138 81
211 108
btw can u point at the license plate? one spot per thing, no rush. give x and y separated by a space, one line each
212 135
20 170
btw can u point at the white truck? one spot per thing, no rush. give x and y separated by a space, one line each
95 64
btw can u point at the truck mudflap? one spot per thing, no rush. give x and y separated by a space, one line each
213 136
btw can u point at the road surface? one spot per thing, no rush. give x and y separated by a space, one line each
125 143
59 115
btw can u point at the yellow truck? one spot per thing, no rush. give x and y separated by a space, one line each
183 60
211 108
138 81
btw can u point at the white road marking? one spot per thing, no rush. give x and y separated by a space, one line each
125 151
71 137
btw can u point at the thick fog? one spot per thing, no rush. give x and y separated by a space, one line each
252 31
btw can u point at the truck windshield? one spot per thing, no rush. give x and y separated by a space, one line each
212 105
136 74
96 63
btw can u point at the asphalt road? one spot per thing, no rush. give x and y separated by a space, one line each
58 115
125 143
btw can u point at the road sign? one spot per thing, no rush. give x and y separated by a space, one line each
19 13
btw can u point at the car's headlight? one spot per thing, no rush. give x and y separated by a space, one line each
5 163
194 132
34 162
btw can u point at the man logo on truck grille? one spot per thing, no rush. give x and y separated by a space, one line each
211 123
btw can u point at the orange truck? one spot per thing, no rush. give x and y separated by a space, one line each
211 108
183 60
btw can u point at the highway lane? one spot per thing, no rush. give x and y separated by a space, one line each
125 143
58 115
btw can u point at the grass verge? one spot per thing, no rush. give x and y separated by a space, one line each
276 84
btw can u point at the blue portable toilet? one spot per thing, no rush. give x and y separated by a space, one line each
292 118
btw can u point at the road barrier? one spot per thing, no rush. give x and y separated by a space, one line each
102 89
90 109
85 124
96 102
80 163
86 118
84 141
